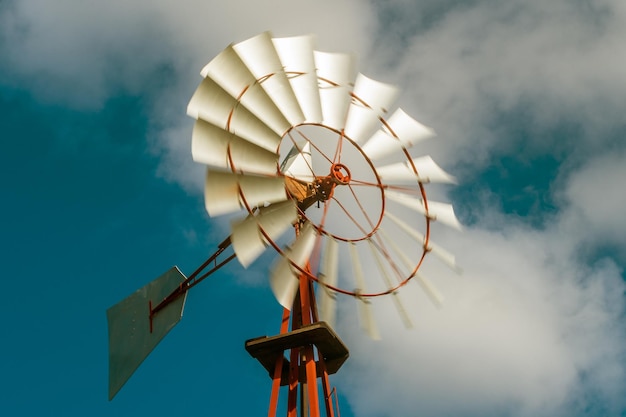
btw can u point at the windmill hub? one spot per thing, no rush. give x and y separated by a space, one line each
340 174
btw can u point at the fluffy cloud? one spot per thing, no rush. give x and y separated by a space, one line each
526 330
596 195
545 63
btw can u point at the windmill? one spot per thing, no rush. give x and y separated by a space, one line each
320 167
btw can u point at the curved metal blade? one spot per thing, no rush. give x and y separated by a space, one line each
214 146
230 73
431 291
427 171
405 132
395 296
285 279
298 163
372 100
328 275
131 337
246 237
335 74
296 55
365 313
260 56
223 190
445 256
211 103
441 212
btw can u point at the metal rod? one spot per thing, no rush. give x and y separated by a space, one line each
194 279
278 369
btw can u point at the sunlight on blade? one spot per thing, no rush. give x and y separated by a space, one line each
296 55
433 294
284 278
211 103
395 296
222 191
298 163
441 212
372 100
335 73
215 147
246 237
365 313
230 73
260 56
407 130
130 338
427 171
443 255
328 275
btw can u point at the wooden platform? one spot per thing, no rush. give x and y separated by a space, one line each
267 350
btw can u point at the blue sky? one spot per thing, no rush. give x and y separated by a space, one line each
101 196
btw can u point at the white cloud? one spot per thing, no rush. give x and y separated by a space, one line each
547 62
596 198
517 333
82 53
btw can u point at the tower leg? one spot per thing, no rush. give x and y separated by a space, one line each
315 351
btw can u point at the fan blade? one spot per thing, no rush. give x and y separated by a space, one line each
395 296
365 313
131 338
440 212
211 103
298 163
430 290
445 256
335 73
285 279
328 275
427 171
402 131
247 237
260 56
371 100
296 55
224 192
230 73
213 146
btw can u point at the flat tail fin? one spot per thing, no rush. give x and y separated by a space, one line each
132 335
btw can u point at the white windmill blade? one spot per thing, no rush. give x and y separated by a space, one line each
298 163
218 148
284 278
441 212
296 55
335 73
427 171
365 313
402 131
371 100
445 256
223 191
328 275
230 73
247 234
431 291
395 296
212 103
260 56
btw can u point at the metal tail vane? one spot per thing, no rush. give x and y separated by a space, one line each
298 142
